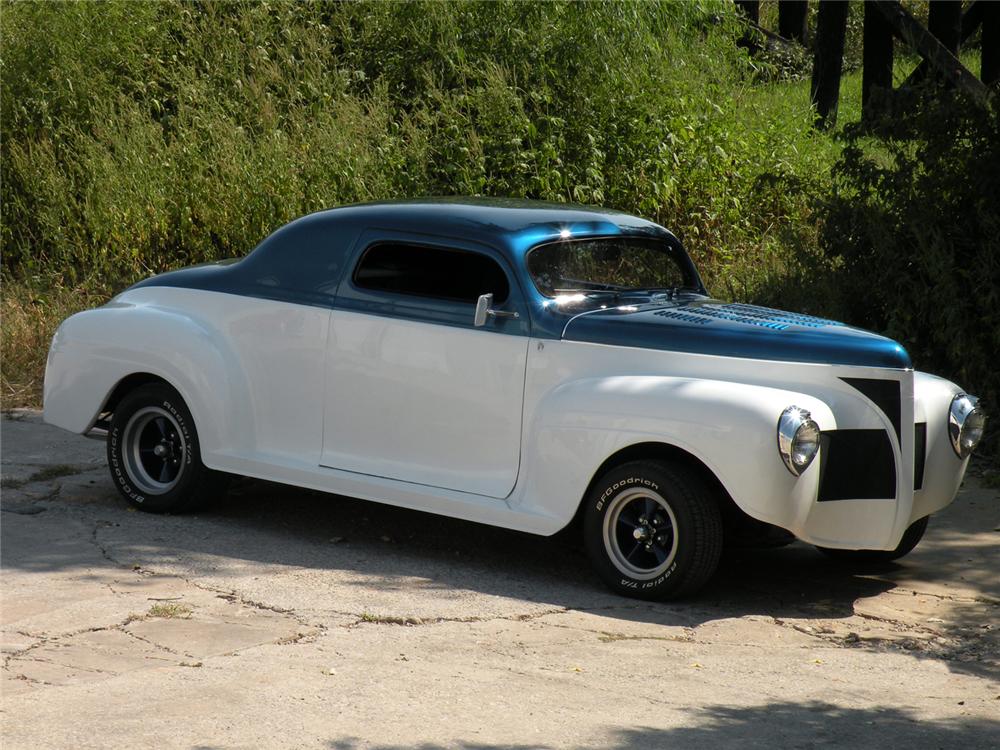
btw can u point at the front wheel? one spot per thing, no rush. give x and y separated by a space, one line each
911 538
653 530
154 455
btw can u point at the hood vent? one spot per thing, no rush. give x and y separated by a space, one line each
687 317
763 317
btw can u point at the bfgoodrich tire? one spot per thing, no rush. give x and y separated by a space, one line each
154 455
911 538
653 530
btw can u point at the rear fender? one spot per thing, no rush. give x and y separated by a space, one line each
94 350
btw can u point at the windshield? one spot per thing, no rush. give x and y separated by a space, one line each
609 266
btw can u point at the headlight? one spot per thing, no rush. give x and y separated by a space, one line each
965 424
798 439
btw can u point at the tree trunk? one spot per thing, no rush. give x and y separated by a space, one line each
792 19
831 26
877 71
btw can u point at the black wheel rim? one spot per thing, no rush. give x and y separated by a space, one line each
154 450
640 533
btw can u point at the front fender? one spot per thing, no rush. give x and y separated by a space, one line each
730 427
94 350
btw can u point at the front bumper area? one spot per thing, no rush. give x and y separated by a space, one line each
885 461
874 481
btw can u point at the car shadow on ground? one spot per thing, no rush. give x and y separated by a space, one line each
278 525
388 547
778 724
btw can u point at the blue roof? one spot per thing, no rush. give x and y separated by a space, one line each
304 262
511 225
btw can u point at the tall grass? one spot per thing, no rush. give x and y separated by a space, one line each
29 318
140 137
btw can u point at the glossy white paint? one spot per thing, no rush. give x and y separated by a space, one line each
424 403
250 370
943 470
428 417
580 410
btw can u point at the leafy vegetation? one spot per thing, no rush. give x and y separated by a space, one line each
916 202
158 135
145 136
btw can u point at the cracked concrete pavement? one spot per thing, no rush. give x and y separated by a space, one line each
286 618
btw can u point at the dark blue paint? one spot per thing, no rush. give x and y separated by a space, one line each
429 309
703 326
307 262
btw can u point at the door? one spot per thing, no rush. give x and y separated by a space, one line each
414 391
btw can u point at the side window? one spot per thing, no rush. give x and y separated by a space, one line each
435 272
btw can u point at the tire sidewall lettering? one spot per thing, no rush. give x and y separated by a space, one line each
185 432
620 485
115 457
117 473
613 489
632 583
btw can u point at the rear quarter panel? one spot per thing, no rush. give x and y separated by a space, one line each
250 370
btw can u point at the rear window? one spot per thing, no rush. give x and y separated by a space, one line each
424 271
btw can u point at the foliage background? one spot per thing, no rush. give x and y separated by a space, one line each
139 137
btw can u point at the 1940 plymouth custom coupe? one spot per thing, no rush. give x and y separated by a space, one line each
517 364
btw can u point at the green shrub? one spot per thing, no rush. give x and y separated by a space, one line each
913 224
143 137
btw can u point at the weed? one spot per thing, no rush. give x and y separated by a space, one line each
55 471
170 610
45 474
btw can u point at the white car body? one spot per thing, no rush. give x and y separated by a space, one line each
476 423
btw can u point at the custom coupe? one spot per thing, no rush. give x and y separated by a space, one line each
519 364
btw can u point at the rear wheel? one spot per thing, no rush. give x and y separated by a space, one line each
154 455
911 538
653 530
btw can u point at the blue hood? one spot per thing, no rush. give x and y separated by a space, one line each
733 330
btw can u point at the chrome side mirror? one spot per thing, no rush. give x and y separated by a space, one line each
483 305
484 310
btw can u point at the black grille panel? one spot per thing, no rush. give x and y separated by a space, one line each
919 454
856 465
884 394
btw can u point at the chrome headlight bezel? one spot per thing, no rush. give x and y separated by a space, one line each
965 415
798 439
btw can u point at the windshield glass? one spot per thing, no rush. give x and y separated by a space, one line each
608 266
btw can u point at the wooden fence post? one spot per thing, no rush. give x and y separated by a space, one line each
792 17
938 58
971 20
944 20
751 9
877 70
831 26
989 73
